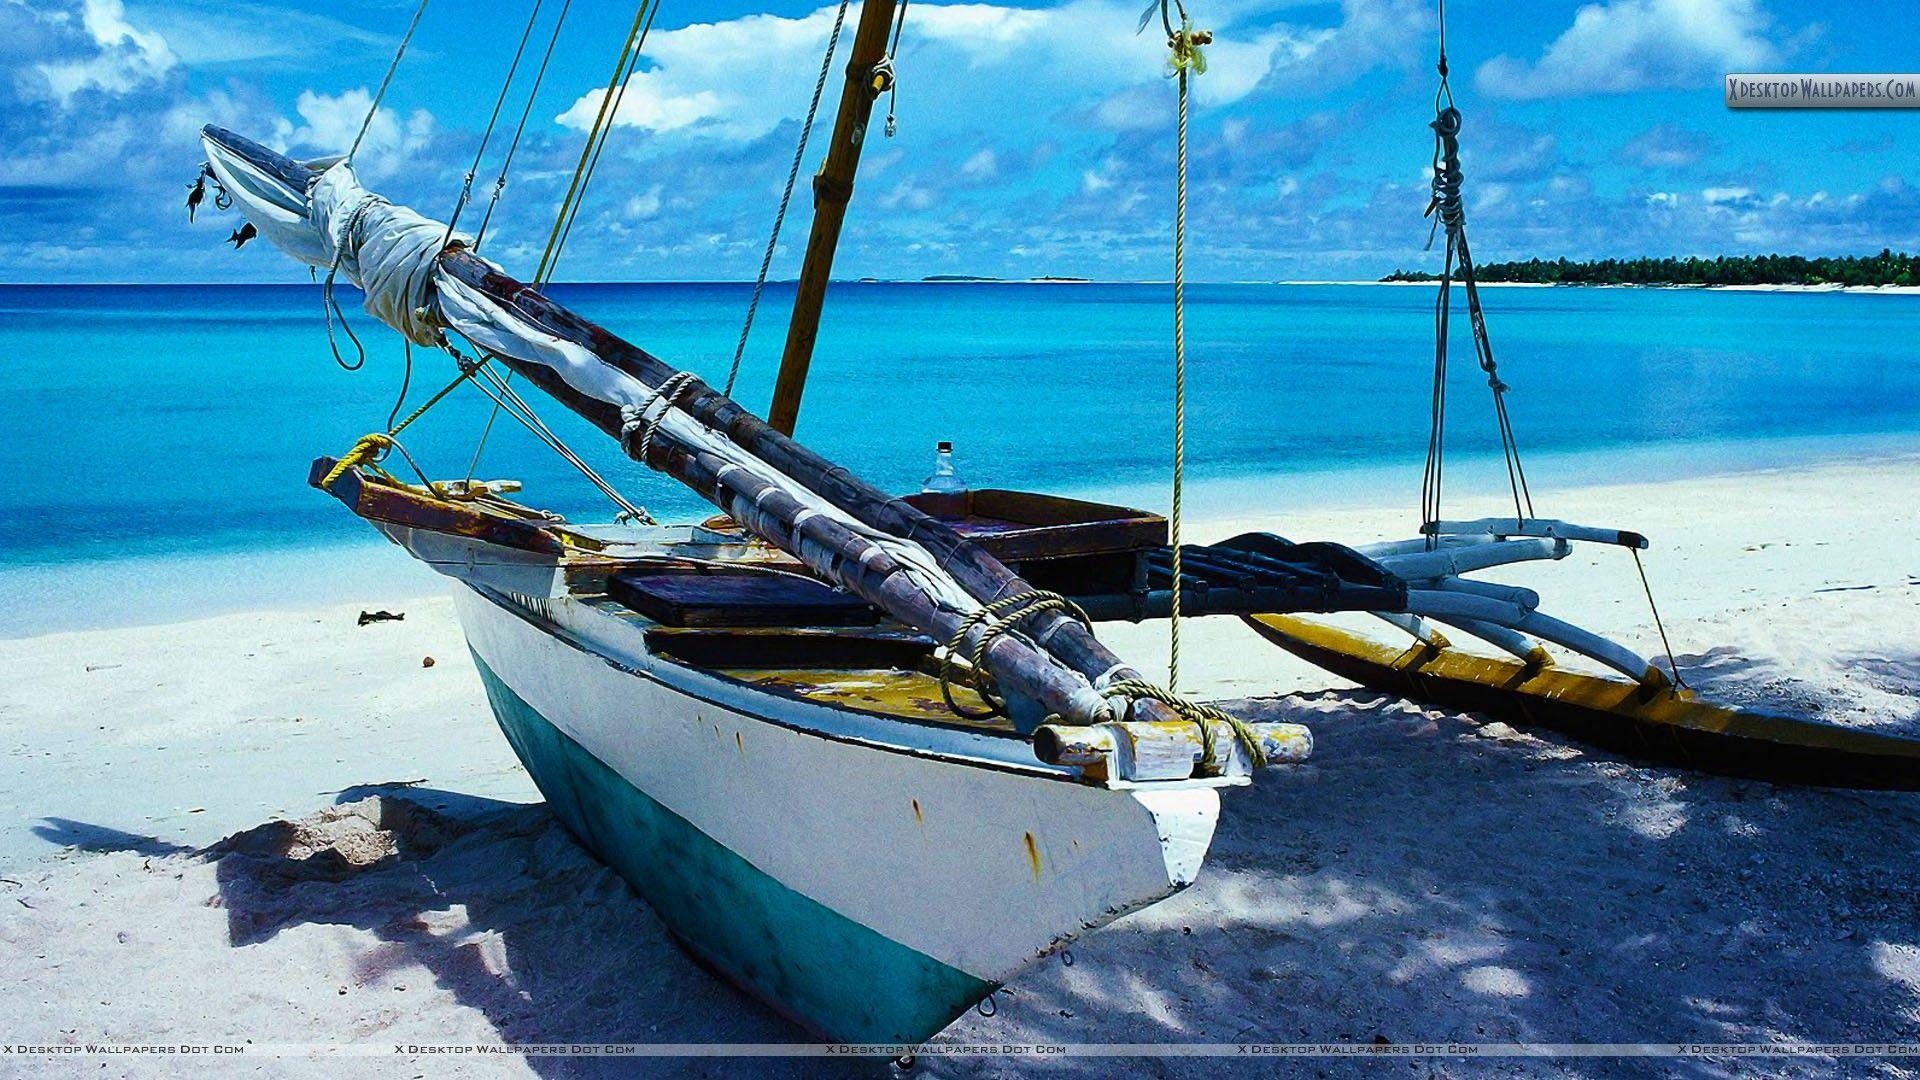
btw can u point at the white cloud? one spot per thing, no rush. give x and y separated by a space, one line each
122 56
234 32
1666 146
1627 45
644 205
964 63
330 122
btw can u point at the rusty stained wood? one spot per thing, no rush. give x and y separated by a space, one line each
402 506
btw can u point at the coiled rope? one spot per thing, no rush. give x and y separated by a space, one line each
640 420
1199 712
1001 617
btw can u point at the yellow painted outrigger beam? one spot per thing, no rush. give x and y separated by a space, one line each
1662 724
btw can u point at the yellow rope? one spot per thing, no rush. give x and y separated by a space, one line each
364 452
370 448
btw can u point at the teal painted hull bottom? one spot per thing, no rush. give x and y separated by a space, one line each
840 979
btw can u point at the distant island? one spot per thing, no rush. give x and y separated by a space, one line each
1887 268
975 279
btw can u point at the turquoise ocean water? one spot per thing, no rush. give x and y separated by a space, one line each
157 439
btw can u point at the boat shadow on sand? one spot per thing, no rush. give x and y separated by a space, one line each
1434 878
1429 878
498 905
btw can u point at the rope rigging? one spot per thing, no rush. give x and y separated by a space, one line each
1448 210
373 107
597 137
370 449
886 64
486 136
513 147
786 194
330 307
1185 61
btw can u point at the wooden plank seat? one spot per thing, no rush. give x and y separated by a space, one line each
702 595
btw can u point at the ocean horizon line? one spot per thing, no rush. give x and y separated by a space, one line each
1044 280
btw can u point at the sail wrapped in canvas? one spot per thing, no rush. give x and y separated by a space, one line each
878 547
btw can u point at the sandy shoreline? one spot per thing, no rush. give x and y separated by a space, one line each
1427 877
1876 290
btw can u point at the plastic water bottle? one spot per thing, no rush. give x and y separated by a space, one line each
944 494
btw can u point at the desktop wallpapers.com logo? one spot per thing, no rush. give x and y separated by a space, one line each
1804 91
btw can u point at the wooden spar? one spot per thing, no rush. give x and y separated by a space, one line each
824 544
832 188
977 571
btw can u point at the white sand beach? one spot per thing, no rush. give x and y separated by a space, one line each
283 827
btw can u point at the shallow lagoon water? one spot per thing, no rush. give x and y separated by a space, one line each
149 424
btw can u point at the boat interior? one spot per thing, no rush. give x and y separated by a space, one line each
724 602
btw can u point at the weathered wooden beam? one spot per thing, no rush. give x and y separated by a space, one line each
969 563
400 506
977 571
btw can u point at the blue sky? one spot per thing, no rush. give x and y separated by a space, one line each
1033 138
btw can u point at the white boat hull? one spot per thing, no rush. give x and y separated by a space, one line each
870 892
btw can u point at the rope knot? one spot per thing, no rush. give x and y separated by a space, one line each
368 449
1185 44
880 77
642 421
1003 616
1201 715
1447 208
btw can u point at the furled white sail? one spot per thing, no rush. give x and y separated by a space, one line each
392 253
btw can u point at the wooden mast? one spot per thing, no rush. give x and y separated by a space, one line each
832 188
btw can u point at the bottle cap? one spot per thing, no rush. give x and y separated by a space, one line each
945 447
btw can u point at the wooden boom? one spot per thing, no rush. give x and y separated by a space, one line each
982 575
766 512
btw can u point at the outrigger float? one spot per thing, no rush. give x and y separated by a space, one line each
867 760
